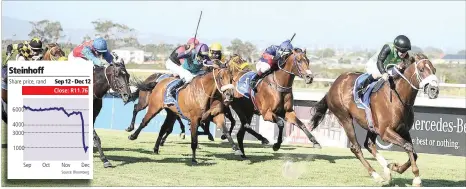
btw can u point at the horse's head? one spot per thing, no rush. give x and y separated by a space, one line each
118 79
223 81
54 52
297 63
424 71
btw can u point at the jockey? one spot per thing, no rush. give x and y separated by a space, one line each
194 60
391 53
216 54
268 62
31 50
91 50
173 61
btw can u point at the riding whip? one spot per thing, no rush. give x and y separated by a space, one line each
199 21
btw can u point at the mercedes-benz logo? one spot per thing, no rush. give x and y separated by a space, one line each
382 145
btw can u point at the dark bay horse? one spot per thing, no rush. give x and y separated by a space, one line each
113 77
274 98
238 67
392 119
194 101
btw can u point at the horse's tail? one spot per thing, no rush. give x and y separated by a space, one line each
320 110
141 86
134 96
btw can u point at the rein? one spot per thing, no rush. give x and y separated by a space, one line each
282 88
108 81
418 78
220 89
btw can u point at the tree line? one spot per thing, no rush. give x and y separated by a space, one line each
121 35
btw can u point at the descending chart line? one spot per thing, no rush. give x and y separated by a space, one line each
62 109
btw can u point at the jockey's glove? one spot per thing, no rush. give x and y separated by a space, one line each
385 76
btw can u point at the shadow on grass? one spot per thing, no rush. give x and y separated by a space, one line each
404 182
125 160
295 157
228 145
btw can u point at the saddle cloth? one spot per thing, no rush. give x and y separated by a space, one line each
364 102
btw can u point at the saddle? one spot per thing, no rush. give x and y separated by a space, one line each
363 101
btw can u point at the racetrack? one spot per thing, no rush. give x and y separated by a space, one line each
136 165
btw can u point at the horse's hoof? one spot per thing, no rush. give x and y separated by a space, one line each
193 162
223 137
211 138
317 146
182 136
393 166
265 142
377 177
238 153
417 182
107 164
131 137
276 147
243 157
156 151
387 174
129 129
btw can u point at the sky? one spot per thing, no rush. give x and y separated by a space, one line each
316 23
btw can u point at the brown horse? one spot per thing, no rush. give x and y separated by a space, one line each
274 99
392 119
194 101
143 102
54 52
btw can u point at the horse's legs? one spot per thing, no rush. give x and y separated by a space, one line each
219 120
229 115
369 144
194 143
281 125
182 127
166 128
167 133
290 117
206 127
347 124
142 103
151 112
97 143
406 143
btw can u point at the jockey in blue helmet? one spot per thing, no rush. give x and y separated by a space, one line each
268 62
91 50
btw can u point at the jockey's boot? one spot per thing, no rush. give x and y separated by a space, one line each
257 77
170 95
364 84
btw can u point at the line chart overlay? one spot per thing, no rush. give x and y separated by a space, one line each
50 123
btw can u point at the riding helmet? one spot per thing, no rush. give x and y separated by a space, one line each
286 46
100 45
193 40
35 43
202 49
402 43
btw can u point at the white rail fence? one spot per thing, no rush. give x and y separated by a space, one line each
452 85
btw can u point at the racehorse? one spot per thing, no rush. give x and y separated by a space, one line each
193 103
392 120
238 67
113 77
274 97
54 52
143 102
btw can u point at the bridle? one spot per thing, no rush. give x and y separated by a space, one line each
114 85
295 64
217 79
